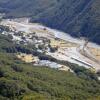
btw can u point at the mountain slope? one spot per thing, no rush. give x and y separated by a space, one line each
76 17
24 81
19 8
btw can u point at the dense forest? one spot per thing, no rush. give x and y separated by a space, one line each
23 81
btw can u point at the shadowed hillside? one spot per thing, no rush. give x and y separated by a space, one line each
77 17
20 8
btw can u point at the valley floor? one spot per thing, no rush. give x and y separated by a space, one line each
69 49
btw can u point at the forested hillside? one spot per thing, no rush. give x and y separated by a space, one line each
23 8
23 81
76 17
